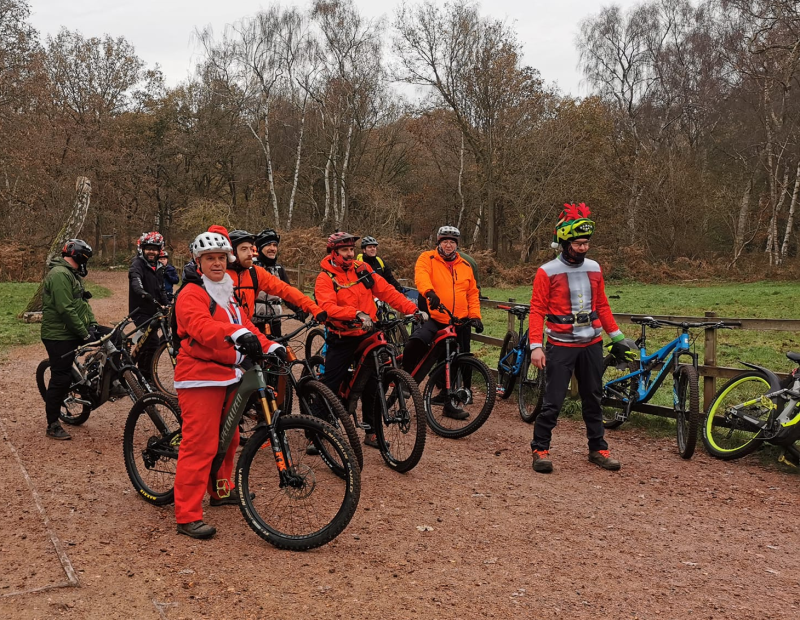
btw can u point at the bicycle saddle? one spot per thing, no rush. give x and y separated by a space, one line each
795 357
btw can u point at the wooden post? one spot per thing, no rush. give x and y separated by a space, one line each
511 324
709 359
72 226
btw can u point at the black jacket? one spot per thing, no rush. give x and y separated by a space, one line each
145 288
380 267
279 272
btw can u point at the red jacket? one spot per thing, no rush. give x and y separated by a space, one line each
207 356
246 290
561 290
454 283
338 294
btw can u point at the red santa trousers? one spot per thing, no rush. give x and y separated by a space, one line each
201 411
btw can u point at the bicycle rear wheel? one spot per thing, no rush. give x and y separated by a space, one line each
728 436
150 445
531 391
402 438
307 505
686 400
317 400
612 369
163 370
473 392
72 410
315 342
506 379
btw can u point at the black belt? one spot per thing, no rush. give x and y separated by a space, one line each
581 318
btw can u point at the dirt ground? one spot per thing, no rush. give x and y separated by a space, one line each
663 538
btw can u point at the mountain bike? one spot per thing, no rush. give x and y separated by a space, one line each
312 397
752 409
291 499
626 384
466 389
401 432
514 362
103 370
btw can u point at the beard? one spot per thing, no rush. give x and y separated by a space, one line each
222 291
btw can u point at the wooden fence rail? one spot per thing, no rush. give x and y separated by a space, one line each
708 369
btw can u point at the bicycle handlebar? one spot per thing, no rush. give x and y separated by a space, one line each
99 341
649 321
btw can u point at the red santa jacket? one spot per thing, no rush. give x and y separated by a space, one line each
564 292
207 356
339 293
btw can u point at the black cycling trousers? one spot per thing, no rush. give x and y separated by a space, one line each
421 340
144 360
60 374
340 354
587 364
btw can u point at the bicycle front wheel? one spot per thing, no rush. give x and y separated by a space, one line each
686 401
471 399
506 378
72 411
315 342
727 434
301 504
163 370
401 438
150 445
318 401
531 390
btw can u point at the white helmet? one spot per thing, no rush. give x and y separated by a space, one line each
208 242
448 232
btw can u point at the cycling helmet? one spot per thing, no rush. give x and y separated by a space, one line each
150 238
448 232
368 241
78 250
163 254
341 240
208 242
573 223
239 237
267 236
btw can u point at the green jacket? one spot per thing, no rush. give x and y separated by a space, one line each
66 315
474 266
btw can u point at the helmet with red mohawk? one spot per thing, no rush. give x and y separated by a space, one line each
573 223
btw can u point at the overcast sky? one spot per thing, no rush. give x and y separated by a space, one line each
162 30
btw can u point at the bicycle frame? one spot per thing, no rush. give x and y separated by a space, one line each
668 355
158 320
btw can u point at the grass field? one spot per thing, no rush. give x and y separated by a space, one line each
15 296
774 300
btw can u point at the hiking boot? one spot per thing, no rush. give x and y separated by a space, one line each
371 440
56 431
231 500
197 529
117 390
454 412
439 399
542 462
311 450
602 458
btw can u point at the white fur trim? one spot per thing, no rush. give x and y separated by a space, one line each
239 333
274 347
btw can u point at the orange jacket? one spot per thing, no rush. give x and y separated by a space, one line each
246 290
454 283
342 297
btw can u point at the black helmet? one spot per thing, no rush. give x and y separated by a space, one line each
267 236
239 237
78 250
368 241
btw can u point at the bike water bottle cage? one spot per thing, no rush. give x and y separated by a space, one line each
580 318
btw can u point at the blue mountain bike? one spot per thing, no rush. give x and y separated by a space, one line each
630 383
515 363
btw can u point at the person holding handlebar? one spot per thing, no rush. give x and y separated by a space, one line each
346 289
216 335
444 278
